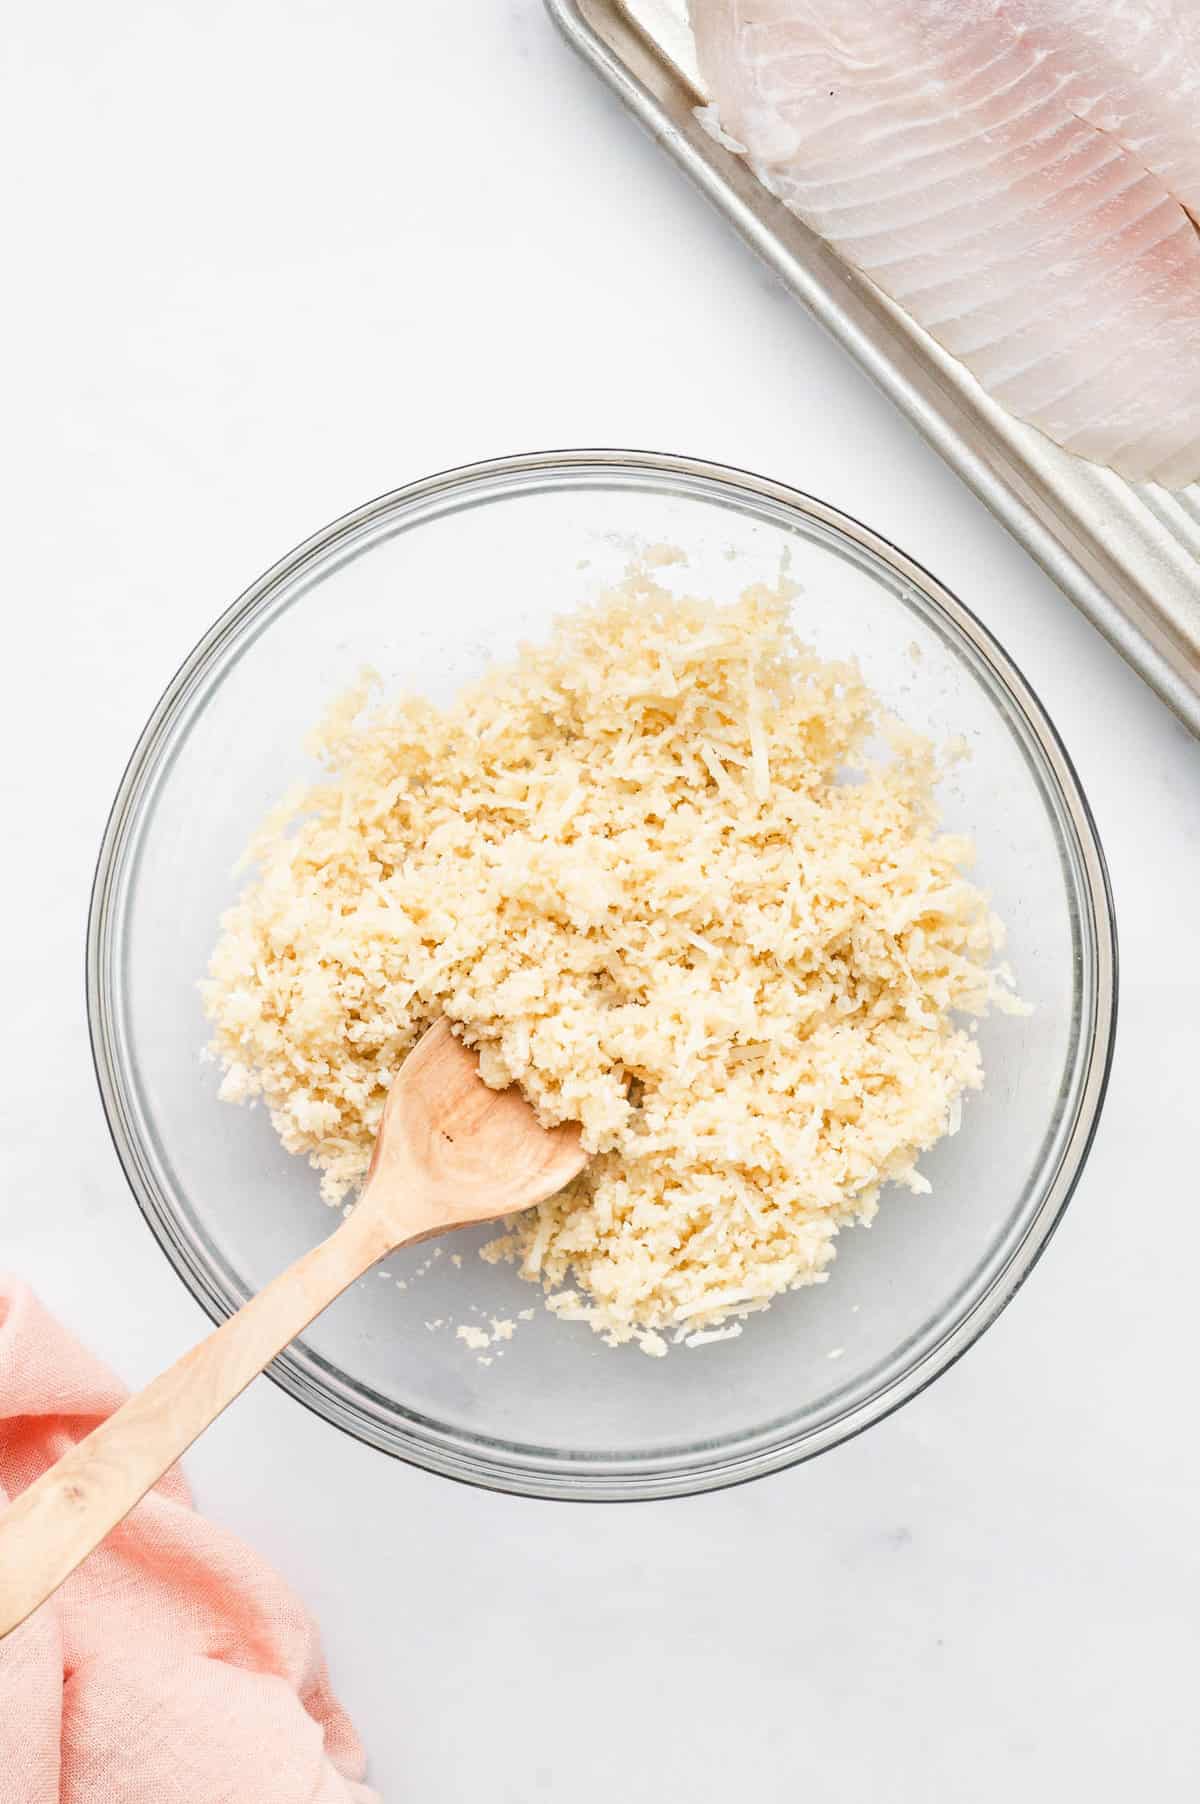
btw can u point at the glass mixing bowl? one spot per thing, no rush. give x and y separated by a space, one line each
427 585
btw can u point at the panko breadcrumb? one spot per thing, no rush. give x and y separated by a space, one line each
660 874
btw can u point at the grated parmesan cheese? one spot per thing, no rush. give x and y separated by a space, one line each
630 869
707 1336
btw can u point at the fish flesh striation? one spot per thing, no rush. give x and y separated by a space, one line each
1022 176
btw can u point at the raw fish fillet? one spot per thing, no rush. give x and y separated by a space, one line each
1023 176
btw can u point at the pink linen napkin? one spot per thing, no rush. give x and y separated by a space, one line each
173 1667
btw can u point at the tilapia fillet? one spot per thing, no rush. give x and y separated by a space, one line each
1023 176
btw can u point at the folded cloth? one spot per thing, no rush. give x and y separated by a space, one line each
173 1667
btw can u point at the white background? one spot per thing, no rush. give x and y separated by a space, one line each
262 261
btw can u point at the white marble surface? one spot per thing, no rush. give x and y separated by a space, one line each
265 260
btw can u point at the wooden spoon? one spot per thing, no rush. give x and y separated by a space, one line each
449 1152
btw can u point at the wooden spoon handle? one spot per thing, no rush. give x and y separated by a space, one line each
52 1526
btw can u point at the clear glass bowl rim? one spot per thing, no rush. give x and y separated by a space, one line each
528 1471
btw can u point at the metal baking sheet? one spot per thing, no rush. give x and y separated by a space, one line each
1128 556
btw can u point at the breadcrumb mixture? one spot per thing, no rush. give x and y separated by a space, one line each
660 874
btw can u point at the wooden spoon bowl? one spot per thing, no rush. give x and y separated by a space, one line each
450 1152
